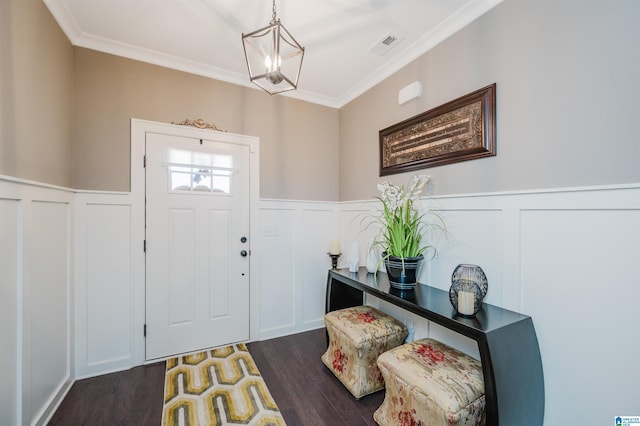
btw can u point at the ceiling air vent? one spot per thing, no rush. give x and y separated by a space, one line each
389 39
385 44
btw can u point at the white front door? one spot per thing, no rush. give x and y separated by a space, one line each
197 248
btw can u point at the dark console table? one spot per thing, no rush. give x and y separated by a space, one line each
507 342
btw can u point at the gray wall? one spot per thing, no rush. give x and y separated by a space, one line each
36 77
567 90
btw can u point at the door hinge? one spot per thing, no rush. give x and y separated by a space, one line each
144 246
145 330
144 161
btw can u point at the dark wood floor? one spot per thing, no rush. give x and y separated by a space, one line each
132 397
304 389
306 392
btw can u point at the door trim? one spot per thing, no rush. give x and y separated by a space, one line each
139 129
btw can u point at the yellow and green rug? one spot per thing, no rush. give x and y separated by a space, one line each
217 387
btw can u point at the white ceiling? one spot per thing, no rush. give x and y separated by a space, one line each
204 36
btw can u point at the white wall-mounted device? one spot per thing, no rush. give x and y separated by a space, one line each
412 91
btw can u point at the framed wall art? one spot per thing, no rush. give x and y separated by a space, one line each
460 130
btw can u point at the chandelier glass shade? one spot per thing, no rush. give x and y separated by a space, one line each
274 57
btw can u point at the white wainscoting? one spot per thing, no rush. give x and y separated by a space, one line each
565 257
568 258
293 243
36 350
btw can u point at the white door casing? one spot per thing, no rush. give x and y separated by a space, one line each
139 131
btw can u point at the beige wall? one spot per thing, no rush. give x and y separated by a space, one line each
567 90
566 75
298 140
36 75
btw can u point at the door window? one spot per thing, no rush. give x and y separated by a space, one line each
199 172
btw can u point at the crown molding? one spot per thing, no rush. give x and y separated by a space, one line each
64 18
456 22
413 51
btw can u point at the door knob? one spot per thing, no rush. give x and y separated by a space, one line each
243 239
243 253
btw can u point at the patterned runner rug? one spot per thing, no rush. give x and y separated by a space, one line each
217 387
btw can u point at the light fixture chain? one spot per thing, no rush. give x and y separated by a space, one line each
273 16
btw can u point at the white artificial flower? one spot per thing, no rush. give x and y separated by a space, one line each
419 183
391 195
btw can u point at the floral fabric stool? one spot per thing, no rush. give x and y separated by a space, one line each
357 336
430 383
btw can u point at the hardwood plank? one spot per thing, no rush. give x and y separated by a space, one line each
132 397
304 388
306 392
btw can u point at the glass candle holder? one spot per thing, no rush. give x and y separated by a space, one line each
466 297
473 273
469 286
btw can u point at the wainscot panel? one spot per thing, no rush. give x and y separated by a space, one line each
580 284
37 222
293 260
48 302
10 348
104 284
315 262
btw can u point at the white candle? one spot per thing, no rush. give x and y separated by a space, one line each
466 302
334 247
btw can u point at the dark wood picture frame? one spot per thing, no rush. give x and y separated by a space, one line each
460 130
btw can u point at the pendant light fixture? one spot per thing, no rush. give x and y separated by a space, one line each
274 57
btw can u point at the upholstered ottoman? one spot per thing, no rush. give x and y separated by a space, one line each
357 336
430 383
